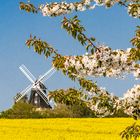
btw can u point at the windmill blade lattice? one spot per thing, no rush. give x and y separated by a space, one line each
36 84
23 93
27 73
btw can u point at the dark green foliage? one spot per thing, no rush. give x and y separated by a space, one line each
40 46
119 113
68 111
69 97
20 110
61 111
130 132
82 111
88 85
135 52
28 7
72 99
136 40
24 111
59 61
136 113
73 27
134 11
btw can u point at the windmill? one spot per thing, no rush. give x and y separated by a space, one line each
38 96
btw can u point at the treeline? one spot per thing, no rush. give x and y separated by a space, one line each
69 105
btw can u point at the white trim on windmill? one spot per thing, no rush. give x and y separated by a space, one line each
36 84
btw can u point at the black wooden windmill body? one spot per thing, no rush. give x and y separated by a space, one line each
37 90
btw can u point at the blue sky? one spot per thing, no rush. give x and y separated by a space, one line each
110 26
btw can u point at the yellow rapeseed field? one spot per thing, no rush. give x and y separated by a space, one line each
63 129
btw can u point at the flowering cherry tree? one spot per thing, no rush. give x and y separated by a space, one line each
61 8
98 61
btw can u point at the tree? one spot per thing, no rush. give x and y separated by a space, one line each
73 99
100 60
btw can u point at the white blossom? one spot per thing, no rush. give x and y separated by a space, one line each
131 100
106 62
60 8
134 11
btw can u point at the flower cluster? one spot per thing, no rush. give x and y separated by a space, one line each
61 8
101 102
137 73
131 100
56 9
109 63
104 62
105 104
134 10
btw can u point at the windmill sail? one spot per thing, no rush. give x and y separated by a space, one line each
27 73
46 77
38 95
43 77
23 93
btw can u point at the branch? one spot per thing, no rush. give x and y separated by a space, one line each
135 52
41 46
28 7
130 132
73 27
56 9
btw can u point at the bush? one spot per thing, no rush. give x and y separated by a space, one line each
61 111
24 110
64 111
81 111
120 113
20 110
